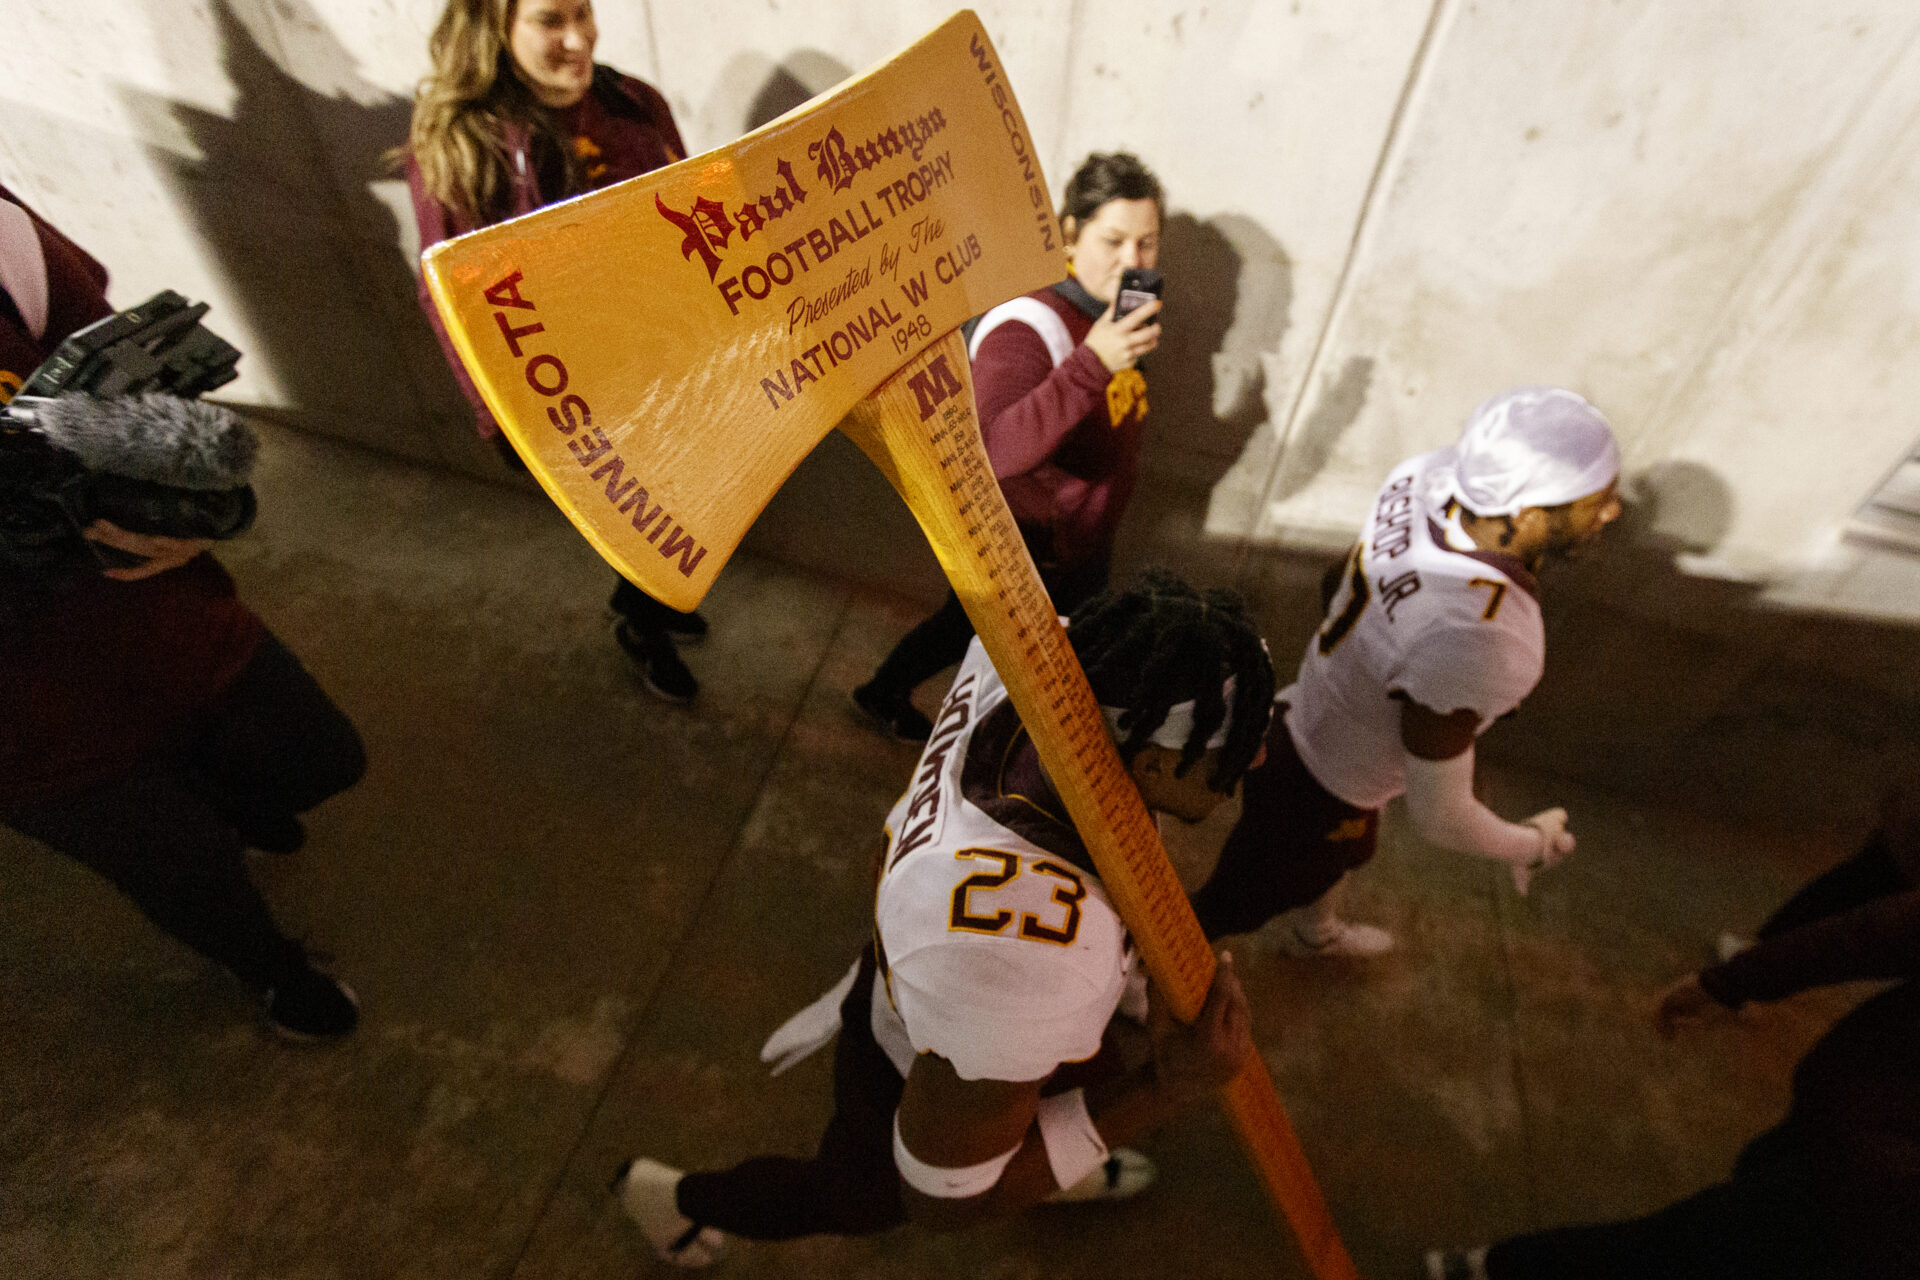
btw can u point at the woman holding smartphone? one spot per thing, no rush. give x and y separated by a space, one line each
1063 407
514 116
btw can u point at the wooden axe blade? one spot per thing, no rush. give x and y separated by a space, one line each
664 352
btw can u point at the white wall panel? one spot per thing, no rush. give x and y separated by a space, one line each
1701 215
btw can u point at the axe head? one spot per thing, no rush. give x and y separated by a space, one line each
664 352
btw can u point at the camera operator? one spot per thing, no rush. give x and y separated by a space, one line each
151 727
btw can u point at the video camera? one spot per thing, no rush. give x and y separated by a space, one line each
109 428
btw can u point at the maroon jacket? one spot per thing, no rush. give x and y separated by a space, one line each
99 675
1064 442
76 297
637 136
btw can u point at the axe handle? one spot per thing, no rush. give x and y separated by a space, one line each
921 429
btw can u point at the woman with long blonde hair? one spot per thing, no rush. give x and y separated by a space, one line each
515 115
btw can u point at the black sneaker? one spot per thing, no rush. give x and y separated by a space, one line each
312 1005
892 713
661 671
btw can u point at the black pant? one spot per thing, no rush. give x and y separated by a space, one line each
941 640
642 612
1763 1223
1868 874
851 1185
170 835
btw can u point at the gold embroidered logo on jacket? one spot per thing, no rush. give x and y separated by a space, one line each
588 152
1126 390
1351 829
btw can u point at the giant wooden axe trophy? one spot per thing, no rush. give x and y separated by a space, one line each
664 352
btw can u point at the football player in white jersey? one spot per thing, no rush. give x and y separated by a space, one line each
1432 633
974 1074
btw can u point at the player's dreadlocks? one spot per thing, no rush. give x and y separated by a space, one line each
1161 642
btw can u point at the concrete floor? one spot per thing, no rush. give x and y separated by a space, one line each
573 913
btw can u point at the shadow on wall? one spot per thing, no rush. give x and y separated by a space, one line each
1229 293
1229 301
281 195
1335 410
751 91
1670 512
836 513
1731 710
800 76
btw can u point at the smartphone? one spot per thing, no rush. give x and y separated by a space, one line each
1138 286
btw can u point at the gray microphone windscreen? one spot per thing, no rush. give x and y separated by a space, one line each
162 439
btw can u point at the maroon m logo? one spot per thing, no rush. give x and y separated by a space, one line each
932 385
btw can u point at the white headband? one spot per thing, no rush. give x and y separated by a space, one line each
1178 726
1528 447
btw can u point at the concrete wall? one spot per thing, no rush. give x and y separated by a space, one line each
232 152
1700 215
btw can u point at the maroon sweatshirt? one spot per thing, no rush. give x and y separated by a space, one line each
621 129
98 675
1064 442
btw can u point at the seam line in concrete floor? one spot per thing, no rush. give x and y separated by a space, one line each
694 918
